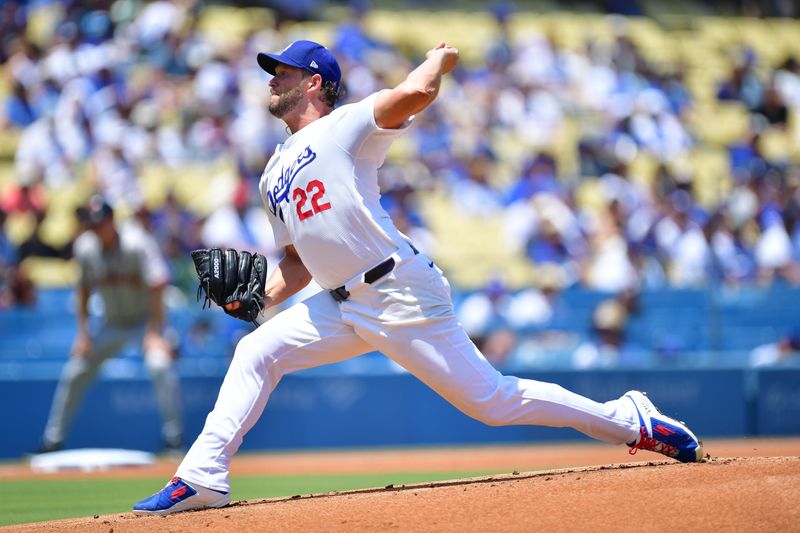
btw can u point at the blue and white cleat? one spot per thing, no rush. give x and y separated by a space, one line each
179 496
662 434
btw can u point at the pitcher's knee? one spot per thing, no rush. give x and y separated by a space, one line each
253 354
485 411
247 352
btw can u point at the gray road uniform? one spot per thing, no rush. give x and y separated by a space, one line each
123 277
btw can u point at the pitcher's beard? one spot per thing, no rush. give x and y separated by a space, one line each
286 102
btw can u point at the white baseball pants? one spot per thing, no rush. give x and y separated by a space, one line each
408 316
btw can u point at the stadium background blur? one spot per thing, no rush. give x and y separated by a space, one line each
609 185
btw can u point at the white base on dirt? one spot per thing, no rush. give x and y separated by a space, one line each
89 460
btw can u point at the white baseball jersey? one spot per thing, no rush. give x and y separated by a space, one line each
320 189
321 193
123 274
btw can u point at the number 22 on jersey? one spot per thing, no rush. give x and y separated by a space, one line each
315 191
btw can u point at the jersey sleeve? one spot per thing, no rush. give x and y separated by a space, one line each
355 131
154 267
280 234
83 256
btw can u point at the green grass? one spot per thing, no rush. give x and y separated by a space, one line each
36 500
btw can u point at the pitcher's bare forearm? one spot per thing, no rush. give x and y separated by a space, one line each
418 90
288 278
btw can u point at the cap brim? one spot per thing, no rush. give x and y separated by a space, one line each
268 62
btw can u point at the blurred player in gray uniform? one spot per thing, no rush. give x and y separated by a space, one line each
120 261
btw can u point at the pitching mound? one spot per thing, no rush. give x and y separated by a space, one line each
729 494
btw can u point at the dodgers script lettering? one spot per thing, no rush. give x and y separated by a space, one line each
280 191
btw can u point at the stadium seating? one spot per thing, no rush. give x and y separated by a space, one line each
688 328
725 323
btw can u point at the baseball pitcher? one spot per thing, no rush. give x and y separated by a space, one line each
321 194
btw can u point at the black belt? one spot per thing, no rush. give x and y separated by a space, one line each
341 294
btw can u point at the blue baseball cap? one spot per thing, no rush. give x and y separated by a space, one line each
306 55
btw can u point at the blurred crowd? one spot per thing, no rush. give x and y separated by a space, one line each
113 87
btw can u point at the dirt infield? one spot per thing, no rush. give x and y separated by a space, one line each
747 485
